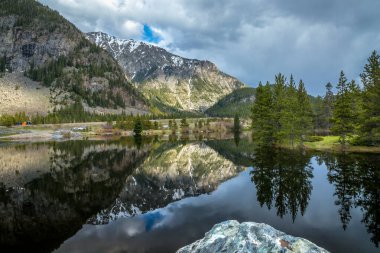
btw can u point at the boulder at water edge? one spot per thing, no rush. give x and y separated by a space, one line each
232 236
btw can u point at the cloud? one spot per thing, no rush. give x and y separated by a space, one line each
132 29
250 39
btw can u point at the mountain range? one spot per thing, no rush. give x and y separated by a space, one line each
168 79
47 64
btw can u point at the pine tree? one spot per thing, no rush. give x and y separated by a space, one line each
3 62
278 105
343 116
138 127
319 115
156 126
305 112
370 129
262 116
184 123
288 117
328 106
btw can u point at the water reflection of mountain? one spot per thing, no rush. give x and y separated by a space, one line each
356 178
48 191
171 172
75 180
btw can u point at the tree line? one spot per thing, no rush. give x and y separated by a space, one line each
284 113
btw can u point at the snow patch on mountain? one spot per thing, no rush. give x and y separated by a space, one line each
164 77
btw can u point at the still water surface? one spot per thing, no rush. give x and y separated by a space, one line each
114 196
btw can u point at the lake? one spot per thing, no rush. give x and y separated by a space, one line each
157 196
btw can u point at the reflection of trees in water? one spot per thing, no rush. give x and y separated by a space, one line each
283 180
356 178
237 138
84 178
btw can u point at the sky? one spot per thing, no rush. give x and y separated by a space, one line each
250 39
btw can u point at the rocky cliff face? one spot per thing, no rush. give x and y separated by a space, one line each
169 174
230 236
167 79
47 48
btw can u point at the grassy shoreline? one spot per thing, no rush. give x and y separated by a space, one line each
45 132
331 144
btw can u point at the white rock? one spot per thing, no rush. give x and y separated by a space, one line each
231 236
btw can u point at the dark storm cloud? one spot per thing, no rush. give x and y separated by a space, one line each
251 39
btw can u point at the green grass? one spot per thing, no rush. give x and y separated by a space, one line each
327 142
331 143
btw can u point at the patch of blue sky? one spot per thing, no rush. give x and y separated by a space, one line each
149 35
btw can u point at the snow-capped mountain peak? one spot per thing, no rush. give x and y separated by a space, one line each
168 80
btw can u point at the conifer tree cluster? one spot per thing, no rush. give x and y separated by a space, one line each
370 121
282 112
345 116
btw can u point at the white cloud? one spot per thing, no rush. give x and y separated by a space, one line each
251 39
132 29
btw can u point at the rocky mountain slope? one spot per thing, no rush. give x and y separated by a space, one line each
168 80
18 93
40 43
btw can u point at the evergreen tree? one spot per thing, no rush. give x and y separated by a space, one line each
184 123
156 126
138 127
370 129
262 116
3 62
305 112
288 117
319 115
279 95
343 116
328 106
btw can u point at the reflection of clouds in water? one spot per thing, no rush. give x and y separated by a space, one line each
134 227
184 221
151 218
208 205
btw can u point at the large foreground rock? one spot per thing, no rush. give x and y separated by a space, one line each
231 236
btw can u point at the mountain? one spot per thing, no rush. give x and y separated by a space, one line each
45 47
167 80
170 173
239 102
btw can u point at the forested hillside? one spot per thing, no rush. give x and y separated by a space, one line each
239 103
47 48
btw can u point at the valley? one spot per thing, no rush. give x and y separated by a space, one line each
189 126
